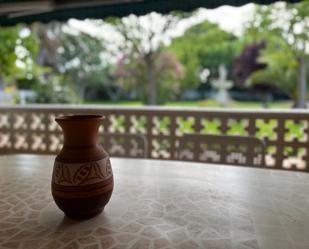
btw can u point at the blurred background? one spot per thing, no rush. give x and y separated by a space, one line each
230 57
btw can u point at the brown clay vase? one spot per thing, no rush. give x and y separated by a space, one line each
82 181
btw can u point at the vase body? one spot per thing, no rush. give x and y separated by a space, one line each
82 180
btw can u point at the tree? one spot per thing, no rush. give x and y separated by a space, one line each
81 61
50 85
132 73
247 62
204 45
286 29
49 41
18 51
142 41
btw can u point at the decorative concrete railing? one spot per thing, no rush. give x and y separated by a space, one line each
32 129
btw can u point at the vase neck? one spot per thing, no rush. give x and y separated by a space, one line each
80 132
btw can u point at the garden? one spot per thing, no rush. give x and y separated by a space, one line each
154 60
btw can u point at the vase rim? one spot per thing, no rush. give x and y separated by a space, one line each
79 117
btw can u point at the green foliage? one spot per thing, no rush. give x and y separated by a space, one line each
237 127
81 61
54 89
285 28
185 125
174 68
145 69
18 50
204 46
211 126
281 68
169 73
131 74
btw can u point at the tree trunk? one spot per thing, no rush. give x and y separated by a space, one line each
301 101
151 83
81 92
266 98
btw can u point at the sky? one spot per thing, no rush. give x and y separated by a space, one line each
229 18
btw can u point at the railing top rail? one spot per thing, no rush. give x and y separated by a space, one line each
60 107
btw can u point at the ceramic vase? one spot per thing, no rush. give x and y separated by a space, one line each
82 180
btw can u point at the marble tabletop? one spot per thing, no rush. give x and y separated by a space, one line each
159 204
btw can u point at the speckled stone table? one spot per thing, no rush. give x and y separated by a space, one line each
159 204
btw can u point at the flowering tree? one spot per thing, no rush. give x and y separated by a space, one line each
166 73
144 64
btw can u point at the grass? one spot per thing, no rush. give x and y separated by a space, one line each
121 102
201 103
234 104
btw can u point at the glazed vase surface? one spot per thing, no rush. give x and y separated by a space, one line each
82 180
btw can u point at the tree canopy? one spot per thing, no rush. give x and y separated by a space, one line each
18 51
285 28
204 45
144 66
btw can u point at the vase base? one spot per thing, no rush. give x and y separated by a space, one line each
79 216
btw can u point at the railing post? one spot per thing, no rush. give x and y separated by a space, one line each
173 136
280 131
149 134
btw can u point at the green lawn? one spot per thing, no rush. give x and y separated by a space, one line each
202 103
122 102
